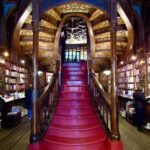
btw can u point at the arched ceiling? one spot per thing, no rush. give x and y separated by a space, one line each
49 24
47 4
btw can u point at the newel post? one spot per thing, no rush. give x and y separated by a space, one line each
114 88
35 111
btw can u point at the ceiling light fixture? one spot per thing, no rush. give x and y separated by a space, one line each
6 54
107 72
22 61
121 62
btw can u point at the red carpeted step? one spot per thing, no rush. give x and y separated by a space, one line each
79 127
73 103
61 143
75 83
68 89
79 120
77 133
66 69
72 96
74 125
74 111
73 78
78 73
74 65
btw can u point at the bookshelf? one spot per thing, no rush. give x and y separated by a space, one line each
130 76
2 80
13 80
148 71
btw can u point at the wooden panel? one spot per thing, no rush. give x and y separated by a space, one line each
100 18
42 29
107 29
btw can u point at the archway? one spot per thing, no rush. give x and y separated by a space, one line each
74 40
89 34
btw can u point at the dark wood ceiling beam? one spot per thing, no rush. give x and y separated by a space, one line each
41 48
102 50
30 38
108 50
41 55
50 19
45 61
106 54
47 30
119 39
27 26
99 19
107 29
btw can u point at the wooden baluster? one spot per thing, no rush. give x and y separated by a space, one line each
107 115
103 111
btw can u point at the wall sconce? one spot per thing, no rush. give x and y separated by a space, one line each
133 57
121 62
107 72
40 73
6 54
2 60
23 61
142 62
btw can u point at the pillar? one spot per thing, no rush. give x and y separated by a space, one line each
114 96
35 111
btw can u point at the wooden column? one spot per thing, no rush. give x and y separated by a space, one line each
114 96
35 111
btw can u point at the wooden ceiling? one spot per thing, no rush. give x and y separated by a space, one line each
49 24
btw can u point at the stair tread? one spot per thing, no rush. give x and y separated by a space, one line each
75 141
75 127
75 116
74 107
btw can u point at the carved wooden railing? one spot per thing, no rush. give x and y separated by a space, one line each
21 7
100 100
128 10
48 101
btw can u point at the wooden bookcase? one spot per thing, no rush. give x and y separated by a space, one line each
16 77
13 76
2 79
130 76
148 73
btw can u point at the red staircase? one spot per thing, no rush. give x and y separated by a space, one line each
74 125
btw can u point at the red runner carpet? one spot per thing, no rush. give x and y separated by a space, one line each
74 125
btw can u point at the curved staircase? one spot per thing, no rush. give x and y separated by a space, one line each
74 125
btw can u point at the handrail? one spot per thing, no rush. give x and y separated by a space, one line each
100 99
99 85
48 100
21 6
100 88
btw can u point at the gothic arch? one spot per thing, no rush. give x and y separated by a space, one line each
90 31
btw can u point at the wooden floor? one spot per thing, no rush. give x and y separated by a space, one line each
133 139
18 137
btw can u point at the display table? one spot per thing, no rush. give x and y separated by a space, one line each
124 99
9 118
